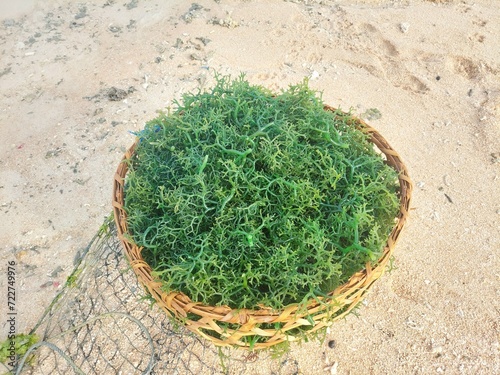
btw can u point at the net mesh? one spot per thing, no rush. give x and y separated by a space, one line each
102 322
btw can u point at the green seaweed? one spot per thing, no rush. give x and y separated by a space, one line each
243 197
16 346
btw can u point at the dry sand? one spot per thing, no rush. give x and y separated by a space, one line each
75 77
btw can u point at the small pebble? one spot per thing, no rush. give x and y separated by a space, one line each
446 180
314 75
333 368
56 272
331 344
404 27
45 285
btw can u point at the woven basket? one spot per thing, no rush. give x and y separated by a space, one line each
225 326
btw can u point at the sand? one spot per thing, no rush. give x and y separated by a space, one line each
75 78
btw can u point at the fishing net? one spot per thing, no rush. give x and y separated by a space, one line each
102 322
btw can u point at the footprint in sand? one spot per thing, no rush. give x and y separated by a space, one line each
393 67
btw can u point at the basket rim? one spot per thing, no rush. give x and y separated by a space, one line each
179 304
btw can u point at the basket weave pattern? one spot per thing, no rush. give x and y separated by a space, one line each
211 322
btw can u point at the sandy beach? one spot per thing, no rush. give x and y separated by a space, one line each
77 77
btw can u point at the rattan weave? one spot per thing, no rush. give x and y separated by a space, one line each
226 326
